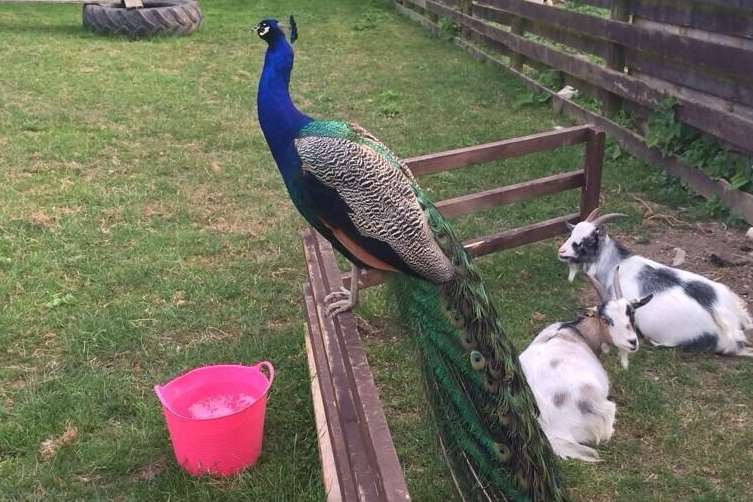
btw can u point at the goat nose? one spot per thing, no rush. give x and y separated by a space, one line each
634 343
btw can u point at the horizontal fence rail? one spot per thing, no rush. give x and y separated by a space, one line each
628 54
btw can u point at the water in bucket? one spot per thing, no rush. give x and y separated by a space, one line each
215 416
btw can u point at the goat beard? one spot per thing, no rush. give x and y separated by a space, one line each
624 360
573 271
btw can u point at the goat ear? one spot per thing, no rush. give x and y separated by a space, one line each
640 303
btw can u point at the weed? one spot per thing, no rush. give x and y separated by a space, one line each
448 28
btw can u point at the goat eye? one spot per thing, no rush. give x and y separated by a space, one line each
576 245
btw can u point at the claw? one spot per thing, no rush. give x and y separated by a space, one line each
338 302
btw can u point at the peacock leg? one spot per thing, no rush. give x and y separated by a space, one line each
343 300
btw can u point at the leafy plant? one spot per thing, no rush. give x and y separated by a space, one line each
448 28
551 79
530 98
370 20
664 131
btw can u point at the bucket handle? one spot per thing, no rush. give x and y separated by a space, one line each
270 371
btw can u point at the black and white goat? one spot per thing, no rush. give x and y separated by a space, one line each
569 383
688 310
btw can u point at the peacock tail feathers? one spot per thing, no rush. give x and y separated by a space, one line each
484 408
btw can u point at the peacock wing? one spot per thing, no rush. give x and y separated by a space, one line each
363 193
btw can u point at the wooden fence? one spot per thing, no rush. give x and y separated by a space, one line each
631 55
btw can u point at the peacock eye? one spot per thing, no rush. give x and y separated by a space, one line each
263 30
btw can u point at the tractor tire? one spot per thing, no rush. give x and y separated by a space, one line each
157 17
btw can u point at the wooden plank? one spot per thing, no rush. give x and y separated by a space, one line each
735 90
695 114
572 39
733 4
364 485
592 164
734 128
511 193
329 470
740 202
505 149
343 470
133 4
699 15
722 58
696 34
517 237
376 433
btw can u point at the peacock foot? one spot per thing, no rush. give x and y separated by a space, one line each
338 302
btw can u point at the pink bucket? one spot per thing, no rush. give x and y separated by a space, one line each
215 416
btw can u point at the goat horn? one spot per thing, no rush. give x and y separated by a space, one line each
600 291
601 220
592 215
616 282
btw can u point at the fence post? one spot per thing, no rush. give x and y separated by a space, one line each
517 27
592 163
616 55
466 7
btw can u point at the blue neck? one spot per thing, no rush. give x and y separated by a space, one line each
280 120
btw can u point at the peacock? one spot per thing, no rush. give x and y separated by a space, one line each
357 194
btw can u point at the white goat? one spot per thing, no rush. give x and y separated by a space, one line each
569 383
688 310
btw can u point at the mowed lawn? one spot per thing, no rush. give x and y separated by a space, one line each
144 231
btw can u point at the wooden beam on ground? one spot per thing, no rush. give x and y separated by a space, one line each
505 149
329 470
365 458
340 458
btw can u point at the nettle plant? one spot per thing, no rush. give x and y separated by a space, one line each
693 147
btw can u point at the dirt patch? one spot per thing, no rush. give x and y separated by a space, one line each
374 329
218 214
151 470
188 339
49 447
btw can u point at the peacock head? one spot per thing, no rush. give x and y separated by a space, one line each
271 31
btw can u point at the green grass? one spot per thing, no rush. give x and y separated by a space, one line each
144 231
